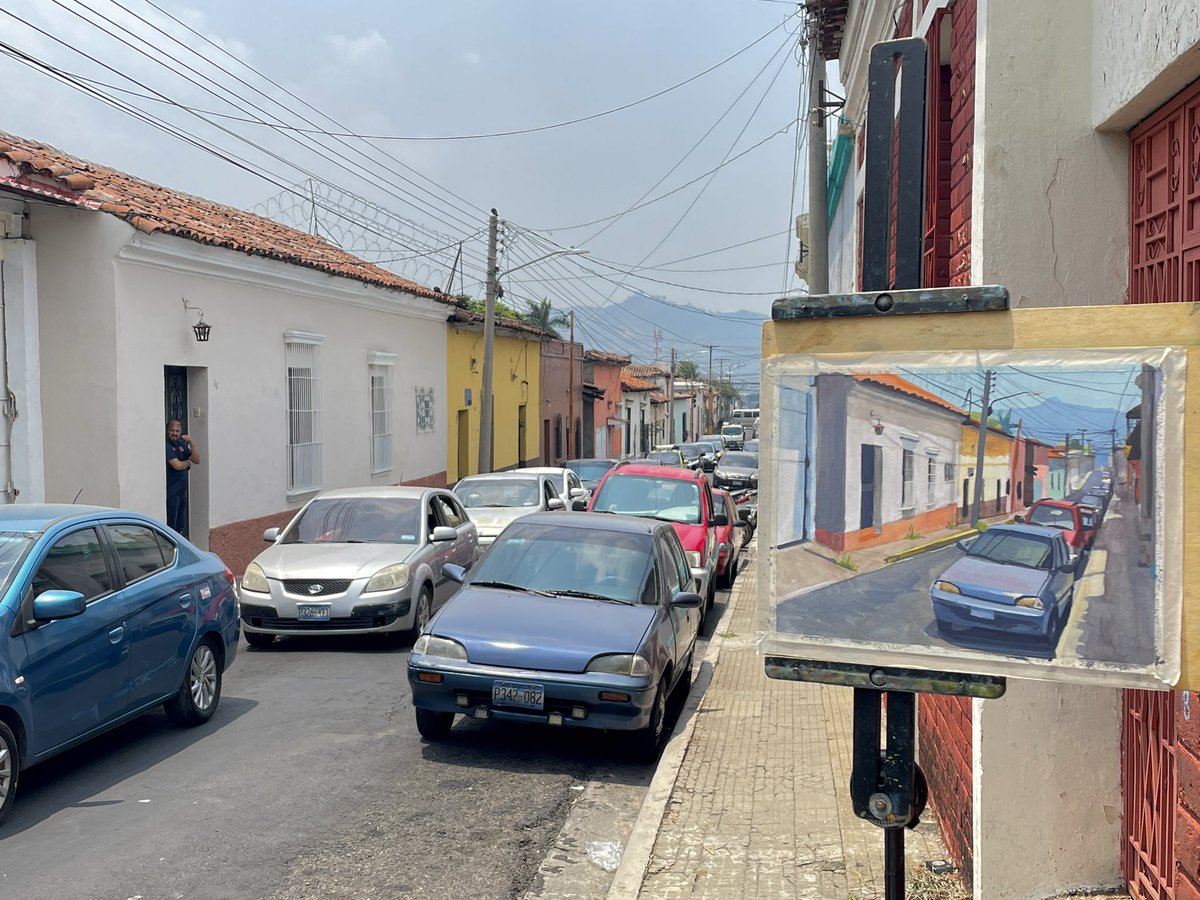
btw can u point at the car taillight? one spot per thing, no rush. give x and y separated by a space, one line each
229 574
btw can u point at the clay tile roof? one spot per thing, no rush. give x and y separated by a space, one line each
896 383
150 208
502 322
647 371
656 397
632 383
601 356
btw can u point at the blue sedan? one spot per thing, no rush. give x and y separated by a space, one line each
104 615
579 620
1015 579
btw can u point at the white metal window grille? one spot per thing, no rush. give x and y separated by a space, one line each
380 370
303 358
425 415
931 479
907 498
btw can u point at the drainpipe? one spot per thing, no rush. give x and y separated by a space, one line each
8 401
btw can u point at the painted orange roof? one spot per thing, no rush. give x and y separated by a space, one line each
150 208
896 383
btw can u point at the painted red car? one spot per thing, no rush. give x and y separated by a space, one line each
1076 522
731 537
682 497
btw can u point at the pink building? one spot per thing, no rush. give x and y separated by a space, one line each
603 370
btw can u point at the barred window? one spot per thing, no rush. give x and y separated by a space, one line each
425 416
380 370
302 353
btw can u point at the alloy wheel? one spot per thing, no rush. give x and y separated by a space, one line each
6 772
202 677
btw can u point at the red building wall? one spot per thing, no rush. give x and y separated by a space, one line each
944 724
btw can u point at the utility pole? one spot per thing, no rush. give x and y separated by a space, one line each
818 174
671 399
982 441
571 387
489 340
709 414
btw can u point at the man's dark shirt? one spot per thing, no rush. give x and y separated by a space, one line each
177 479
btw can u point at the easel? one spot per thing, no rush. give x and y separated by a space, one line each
887 787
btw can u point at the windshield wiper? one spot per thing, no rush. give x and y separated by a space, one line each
507 586
587 595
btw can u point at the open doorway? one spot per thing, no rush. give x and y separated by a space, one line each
185 399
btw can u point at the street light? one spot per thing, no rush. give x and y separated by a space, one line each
489 339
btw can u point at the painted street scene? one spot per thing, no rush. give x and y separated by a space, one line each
1006 510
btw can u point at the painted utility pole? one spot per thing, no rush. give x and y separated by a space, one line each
571 386
982 441
489 340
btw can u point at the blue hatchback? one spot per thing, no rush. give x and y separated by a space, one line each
104 614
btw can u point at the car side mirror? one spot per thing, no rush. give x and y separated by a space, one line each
443 533
741 523
965 544
454 573
578 492
50 605
686 600
1018 518
579 505
1068 567
719 520
555 503
271 535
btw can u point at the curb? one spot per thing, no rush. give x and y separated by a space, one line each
627 880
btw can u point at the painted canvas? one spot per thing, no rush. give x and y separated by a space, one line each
1007 512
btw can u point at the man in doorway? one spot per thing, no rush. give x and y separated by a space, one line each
181 456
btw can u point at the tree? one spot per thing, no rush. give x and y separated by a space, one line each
686 369
543 315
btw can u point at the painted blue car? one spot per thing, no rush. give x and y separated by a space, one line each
104 615
1014 579
582 620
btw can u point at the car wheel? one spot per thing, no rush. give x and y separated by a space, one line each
434 725
258 640
1053 628
422 616
201 689
646 741
10 770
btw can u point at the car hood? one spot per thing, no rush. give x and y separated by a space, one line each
736 471
693 537
994 581
331 560
494 519
557 634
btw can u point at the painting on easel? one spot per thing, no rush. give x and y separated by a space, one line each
1004 512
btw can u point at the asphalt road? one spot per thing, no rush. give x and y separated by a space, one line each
310 782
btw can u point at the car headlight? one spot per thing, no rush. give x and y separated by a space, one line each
754 476
620 664
432 645
946 587
388 579
1030 602
693 558
718 473
255 579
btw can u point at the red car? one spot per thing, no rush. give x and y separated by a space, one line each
1077 523
682 497
731 537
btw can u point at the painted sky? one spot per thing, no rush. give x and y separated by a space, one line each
459 67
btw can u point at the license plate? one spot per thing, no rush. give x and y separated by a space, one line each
516 693
312 612
983 614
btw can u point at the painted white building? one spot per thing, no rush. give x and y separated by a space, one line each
638 412
320 370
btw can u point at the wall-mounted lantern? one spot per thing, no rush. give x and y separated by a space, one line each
876 422
201 329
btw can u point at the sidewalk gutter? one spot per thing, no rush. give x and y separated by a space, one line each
627 880
930 545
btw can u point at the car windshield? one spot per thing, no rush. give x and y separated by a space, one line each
609 565
740 460
1011 548
732 429
708 447
588 470
670 499
670 457
1052 517
13 547
691 451
498 492
357 520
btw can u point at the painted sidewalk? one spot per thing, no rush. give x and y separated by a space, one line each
755 801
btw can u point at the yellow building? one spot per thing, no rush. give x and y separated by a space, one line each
997 471
516 393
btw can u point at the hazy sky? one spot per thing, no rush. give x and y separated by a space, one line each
455 67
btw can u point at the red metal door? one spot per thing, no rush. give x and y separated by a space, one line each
1148 790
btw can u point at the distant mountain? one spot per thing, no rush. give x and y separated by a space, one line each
1051 419
628 327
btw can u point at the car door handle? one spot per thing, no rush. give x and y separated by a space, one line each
116 635
185 600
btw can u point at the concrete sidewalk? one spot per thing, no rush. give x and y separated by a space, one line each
751 797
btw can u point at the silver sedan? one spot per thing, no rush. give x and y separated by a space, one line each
496 499
358 561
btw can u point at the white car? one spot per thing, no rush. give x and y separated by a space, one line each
494 500
358 561
570 488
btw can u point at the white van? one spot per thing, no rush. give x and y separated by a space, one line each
747 417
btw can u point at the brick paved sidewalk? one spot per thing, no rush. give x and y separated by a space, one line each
760 804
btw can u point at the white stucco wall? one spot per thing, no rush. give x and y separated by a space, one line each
1145 52
23 350
251 303
1050 192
